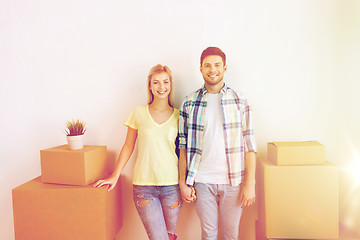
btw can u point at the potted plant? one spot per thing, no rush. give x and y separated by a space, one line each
74 134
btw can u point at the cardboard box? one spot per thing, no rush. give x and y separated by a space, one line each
57 212
296 153
74 167
298 202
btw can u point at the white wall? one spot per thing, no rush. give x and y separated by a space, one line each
61 60
348 141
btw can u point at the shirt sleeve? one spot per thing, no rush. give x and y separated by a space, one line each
183 119
248 131
131 120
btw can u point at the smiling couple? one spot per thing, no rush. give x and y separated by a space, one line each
216 166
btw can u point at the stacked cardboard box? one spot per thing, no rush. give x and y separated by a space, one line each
61 204
297 193
80 167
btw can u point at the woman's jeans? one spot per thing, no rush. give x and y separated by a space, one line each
158 208
218 201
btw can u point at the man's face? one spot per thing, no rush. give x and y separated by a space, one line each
213 69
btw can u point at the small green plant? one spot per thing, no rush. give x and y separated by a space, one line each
75 128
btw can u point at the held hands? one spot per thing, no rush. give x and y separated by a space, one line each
247 196
110 182
187 193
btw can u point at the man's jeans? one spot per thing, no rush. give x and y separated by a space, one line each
158 208
218 201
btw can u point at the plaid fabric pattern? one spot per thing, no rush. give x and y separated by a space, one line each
238 131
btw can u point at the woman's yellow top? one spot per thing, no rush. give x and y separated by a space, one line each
156 162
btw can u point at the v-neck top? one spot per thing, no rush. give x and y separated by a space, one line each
156 161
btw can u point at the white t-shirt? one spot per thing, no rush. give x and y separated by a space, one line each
213 166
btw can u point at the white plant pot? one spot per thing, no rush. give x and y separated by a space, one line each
75 142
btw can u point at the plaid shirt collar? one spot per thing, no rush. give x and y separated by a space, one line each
204 91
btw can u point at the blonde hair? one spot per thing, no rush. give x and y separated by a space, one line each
155 70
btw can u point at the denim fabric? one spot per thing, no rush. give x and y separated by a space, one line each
218 202
158 208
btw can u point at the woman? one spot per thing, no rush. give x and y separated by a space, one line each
155 177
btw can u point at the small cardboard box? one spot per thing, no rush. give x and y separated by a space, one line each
74 167
57 212
296 153
298 202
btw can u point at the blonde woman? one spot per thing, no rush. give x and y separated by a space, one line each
155 178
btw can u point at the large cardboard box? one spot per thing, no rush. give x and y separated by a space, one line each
298 202
296 153
74 167
57 212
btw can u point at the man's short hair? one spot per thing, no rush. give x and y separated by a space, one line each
212 51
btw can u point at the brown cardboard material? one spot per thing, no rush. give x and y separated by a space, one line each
296 153
57 212
74 167
298 202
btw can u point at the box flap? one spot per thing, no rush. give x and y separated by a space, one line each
296 144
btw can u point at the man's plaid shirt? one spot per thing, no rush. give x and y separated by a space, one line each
238 131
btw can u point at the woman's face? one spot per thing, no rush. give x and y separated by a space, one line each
160 85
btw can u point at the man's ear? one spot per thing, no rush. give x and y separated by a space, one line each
225 68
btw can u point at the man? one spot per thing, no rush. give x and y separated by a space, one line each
217 151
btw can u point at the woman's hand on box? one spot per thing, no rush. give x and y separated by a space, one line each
110 182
